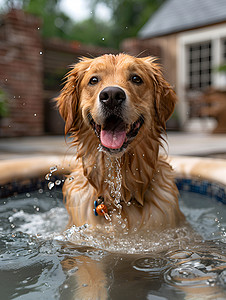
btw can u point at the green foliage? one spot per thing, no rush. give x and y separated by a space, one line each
222 68
127 17
4 110
55 23
93 32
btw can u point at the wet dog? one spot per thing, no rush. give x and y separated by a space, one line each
115 107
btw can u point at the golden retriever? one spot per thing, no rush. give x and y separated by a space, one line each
115 107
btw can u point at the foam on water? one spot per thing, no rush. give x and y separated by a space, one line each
43 224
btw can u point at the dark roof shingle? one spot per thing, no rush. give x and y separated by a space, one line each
178 15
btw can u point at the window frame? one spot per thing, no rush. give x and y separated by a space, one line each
216 34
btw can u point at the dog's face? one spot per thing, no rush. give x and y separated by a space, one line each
119 97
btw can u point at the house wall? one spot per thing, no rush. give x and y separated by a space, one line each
21 72
168 46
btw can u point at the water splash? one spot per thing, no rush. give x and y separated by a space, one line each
51 185
53 169
48 177
114 180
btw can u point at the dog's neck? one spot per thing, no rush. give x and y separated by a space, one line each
124 178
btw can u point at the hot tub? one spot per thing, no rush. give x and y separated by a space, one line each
41 260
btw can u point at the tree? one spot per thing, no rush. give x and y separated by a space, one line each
128 16
92 31
55 22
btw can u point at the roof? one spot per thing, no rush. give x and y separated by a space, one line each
179 15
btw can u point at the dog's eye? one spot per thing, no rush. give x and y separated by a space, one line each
93 80
136 79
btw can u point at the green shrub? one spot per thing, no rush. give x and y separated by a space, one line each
4 109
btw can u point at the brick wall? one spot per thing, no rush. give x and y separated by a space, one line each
31 72
21 73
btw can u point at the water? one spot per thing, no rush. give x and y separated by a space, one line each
42 260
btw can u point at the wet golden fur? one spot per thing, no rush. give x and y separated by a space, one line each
148 192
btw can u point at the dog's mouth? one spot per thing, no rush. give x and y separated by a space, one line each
115 135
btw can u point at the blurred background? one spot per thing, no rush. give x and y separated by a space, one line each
40 40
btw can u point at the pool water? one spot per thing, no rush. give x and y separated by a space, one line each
41 260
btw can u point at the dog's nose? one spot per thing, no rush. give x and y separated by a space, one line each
112 96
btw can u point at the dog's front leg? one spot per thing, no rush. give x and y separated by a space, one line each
88 278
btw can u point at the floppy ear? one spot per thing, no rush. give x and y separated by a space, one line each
165 97
67 103
165 101
68 100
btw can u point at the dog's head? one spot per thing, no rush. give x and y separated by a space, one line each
119 97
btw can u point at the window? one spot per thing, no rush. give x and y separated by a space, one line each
224 50
199 65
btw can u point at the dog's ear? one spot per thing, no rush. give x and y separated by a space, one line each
165 97
68 100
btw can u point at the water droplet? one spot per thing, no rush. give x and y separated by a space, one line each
72 271
211 281
58 182
48 176
40 52
35 115
53 169
50 185
103 39
28 195
38 28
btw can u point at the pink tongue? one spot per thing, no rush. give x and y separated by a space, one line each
112 139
